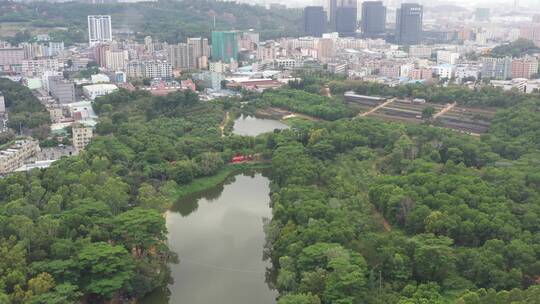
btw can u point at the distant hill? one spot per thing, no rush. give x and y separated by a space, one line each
170 21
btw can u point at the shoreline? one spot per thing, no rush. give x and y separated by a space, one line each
204 183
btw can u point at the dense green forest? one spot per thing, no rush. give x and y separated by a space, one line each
26 113
363 211
171 21
91 226
461 219
303 102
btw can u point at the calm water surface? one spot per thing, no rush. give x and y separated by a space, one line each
218 236
253 126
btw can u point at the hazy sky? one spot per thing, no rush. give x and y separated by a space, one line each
535 4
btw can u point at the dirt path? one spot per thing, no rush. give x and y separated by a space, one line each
379 217
445 110
382 105
224 123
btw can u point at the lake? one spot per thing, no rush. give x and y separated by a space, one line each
253 126
219 238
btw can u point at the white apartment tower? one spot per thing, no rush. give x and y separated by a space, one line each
99 29
2 104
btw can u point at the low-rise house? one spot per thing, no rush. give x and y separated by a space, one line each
14 156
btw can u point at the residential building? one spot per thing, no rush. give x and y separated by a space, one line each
56 113
297 43
390 71
198 52
178 55
188 84
285 63
37 67
11 56
101 54
120 77
218 67
62 90
116 60
149 69
519 84
33 50
444 71
49 75
99 29
158 69
531 32
149 44
373 19
55 48
13 157
421 74
135 69
2 104
266 52
447 57
100 78
249 40
325 48
210 80
224 46
497 68
405 70
338 68
467 71
524 67
420 51
81 137
409 24
96 90
314 21
191 55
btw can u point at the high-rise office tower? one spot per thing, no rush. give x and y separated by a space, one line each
409 24
314 21
331 7
224 46
345 18
373 19
346 21
99 29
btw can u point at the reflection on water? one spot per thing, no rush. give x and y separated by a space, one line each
219 238
253 126
189 204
